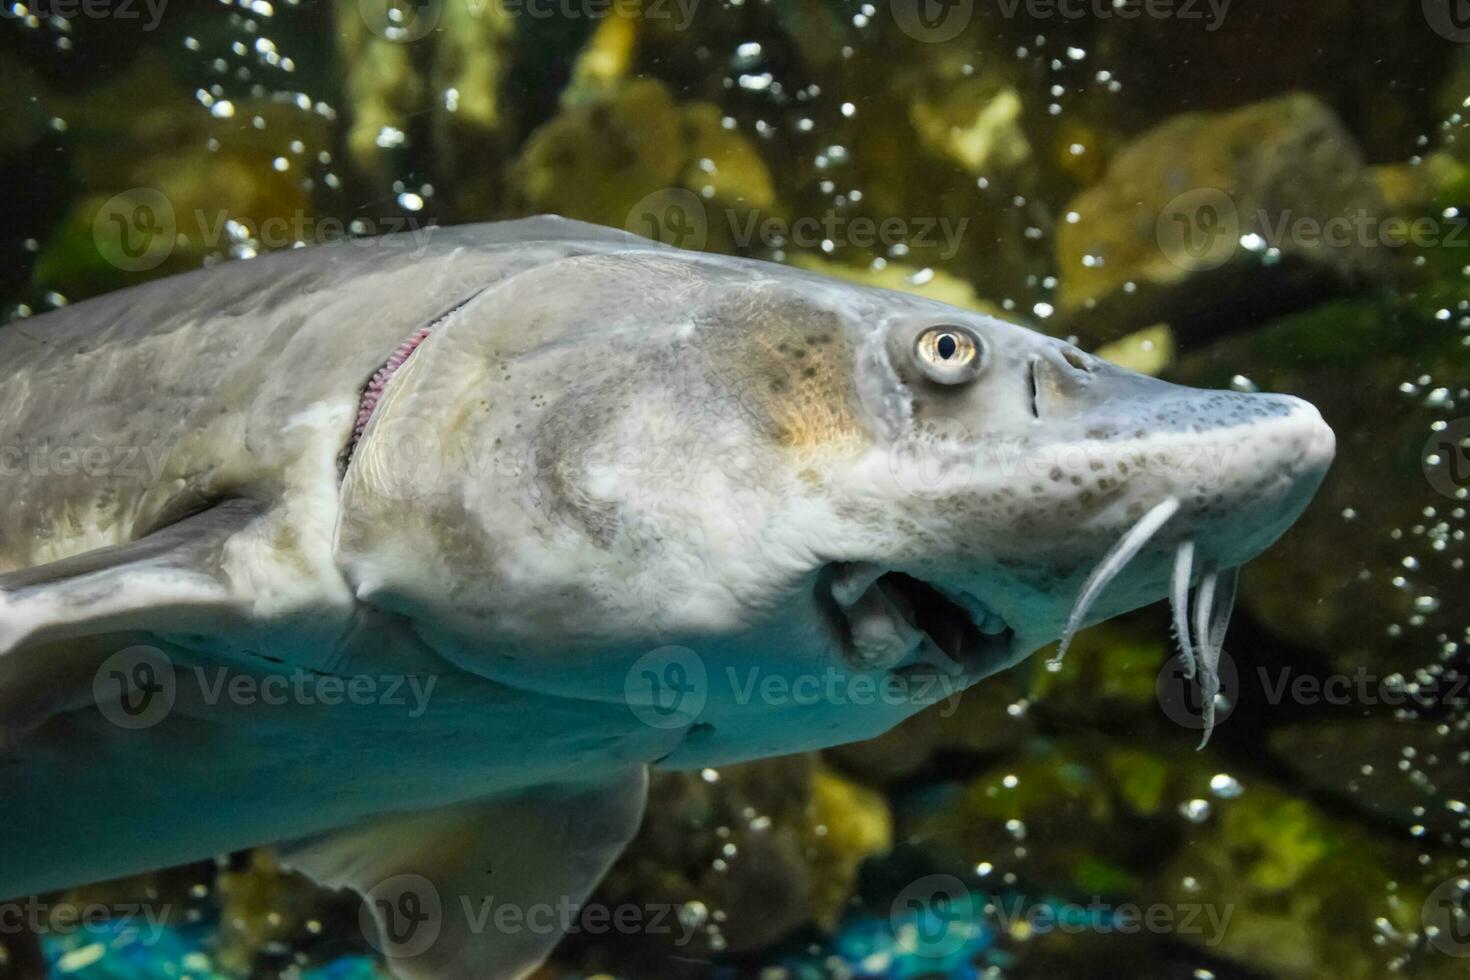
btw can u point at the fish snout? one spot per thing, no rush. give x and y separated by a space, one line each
1242 465
1314 437
1246 481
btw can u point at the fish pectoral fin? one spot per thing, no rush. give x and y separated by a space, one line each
60 620
153 583
482 889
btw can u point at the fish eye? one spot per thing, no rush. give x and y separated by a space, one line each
949 355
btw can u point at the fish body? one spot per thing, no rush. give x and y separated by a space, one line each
586 504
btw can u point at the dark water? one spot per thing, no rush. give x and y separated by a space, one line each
1238 196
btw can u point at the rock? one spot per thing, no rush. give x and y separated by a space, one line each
604 62
846 824
1089 803
450 68
1109 677
21 122
1396 770
1159 239
750 853
1148 351
930 284
270 918
594 162
975 123
1306 895
1213 55
637 160
472 56
20 955
722 166
383 87
163 187
1236 867
986 721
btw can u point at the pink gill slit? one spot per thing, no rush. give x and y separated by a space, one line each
373 393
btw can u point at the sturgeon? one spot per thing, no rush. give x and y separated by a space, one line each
413 557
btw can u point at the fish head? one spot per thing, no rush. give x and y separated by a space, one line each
1015 463
823 505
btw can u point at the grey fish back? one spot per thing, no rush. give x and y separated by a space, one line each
118 411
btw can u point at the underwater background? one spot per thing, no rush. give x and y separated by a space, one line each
1230 194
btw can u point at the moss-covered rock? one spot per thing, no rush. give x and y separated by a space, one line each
162 189
610 161
1160 238
752 852
1400 771
1308 895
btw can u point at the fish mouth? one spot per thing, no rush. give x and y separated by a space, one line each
884 619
